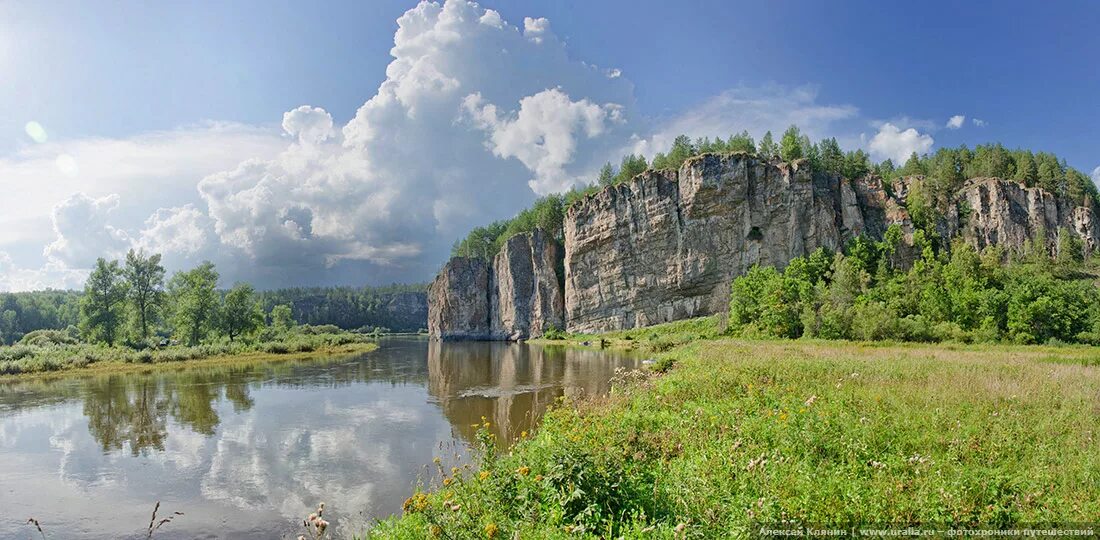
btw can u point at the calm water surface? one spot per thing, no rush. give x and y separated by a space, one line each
248 451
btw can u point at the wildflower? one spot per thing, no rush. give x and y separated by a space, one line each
454 471
483 475
447 481
436 460
523 471
491 530
523 434
436 531
811 401
878 464
538 478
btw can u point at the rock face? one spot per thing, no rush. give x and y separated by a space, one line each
525 296
1003 212
666 245
458 301
518 297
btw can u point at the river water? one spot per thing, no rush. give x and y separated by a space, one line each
247 451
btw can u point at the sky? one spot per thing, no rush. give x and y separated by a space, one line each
353 142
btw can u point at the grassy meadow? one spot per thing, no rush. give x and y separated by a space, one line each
723 434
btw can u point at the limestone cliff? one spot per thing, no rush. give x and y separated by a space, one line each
525 297
666 245
458 305
517 297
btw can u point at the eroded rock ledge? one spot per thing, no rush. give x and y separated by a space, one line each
666 245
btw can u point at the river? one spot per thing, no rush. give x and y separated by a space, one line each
247 451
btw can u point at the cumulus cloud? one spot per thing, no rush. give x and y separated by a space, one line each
387 193
544 134
956 122
83 232
978 122
896 144
474 119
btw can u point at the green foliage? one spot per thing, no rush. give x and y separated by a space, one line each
768 150
144 277
281 319
102 308
194 302
790 145
741 433
241 313
958 295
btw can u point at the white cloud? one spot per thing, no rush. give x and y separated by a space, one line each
893 143
978 122
83 233
1096 176
475 117
147 171
310 125
769 108
956 122
544 134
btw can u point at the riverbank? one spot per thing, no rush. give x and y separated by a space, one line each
737 433
62 361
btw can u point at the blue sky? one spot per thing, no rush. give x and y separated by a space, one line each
148 99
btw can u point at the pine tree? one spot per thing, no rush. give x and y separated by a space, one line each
790 146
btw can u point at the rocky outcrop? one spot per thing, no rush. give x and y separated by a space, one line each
458 300
666 245
525 297
518 296
1007 213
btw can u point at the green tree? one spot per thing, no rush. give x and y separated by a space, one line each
741 142
631 166
145 282
241 313
195 302
768 149
606 176
790 146
102 308
282 319
832 157
1026 170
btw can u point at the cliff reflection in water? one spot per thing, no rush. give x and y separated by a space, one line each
512 384
247 448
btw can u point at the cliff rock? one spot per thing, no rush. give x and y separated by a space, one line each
458 300
525 296
666 245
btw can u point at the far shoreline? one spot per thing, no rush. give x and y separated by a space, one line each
249 357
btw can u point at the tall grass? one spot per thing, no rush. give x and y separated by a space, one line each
740 433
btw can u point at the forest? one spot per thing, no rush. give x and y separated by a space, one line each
939 174
398 308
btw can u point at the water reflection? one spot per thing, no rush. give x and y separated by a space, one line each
244 450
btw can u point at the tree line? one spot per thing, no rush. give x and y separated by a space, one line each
133 301
937 175
1039 295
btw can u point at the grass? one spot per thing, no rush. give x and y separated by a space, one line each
741 433
22 361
